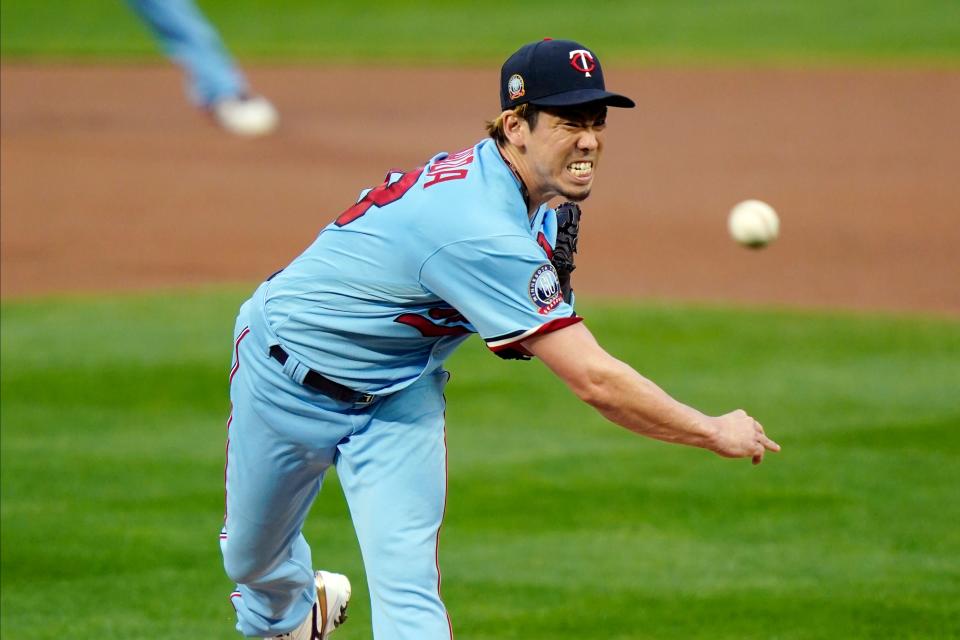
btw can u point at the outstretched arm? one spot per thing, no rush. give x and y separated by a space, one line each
627 398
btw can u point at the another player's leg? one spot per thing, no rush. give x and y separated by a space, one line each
215 83
393 472
274 471
187 37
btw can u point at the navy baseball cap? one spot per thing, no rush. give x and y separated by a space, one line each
555 73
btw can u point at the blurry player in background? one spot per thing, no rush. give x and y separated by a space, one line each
214 82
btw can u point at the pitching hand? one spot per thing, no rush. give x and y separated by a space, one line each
740 436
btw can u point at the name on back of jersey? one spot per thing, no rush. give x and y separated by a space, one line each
453 167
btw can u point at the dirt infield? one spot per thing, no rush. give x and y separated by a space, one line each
111 182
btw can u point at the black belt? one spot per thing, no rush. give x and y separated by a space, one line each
327 387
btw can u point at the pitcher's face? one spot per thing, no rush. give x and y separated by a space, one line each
563 151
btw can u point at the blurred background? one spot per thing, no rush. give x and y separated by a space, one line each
139 207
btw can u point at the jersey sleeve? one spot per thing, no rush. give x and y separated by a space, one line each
505 287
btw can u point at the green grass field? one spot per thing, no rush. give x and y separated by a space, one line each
558 525
440 32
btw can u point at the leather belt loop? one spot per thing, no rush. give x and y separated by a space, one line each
295 369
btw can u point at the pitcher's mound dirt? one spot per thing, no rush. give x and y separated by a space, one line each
110 181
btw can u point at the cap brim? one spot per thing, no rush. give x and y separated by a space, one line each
584 96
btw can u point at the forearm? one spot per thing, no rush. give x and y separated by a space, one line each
627 398
630 400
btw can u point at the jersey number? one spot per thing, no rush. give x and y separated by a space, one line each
380 196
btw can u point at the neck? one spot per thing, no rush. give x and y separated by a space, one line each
515 160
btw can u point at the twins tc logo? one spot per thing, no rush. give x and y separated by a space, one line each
582 60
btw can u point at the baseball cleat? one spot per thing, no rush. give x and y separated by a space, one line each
245 115
329 609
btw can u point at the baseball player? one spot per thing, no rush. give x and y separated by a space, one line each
214 81
338 358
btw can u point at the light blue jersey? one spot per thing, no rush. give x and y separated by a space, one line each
390 288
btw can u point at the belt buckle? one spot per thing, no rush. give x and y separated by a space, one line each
366 398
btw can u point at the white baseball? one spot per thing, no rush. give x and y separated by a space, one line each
753 223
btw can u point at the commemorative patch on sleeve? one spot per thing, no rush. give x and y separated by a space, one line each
544 289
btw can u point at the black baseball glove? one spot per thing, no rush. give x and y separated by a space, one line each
568 229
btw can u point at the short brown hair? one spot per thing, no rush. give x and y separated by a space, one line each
525 111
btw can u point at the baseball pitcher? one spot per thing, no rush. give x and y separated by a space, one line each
338 359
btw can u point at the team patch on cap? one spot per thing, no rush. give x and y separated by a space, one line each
544 289
515 86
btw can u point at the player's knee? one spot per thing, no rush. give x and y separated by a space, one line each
244 568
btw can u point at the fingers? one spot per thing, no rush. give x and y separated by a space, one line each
769 444
764 442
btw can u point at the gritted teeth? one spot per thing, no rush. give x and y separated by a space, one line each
580 168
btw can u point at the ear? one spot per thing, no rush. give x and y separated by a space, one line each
515 128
